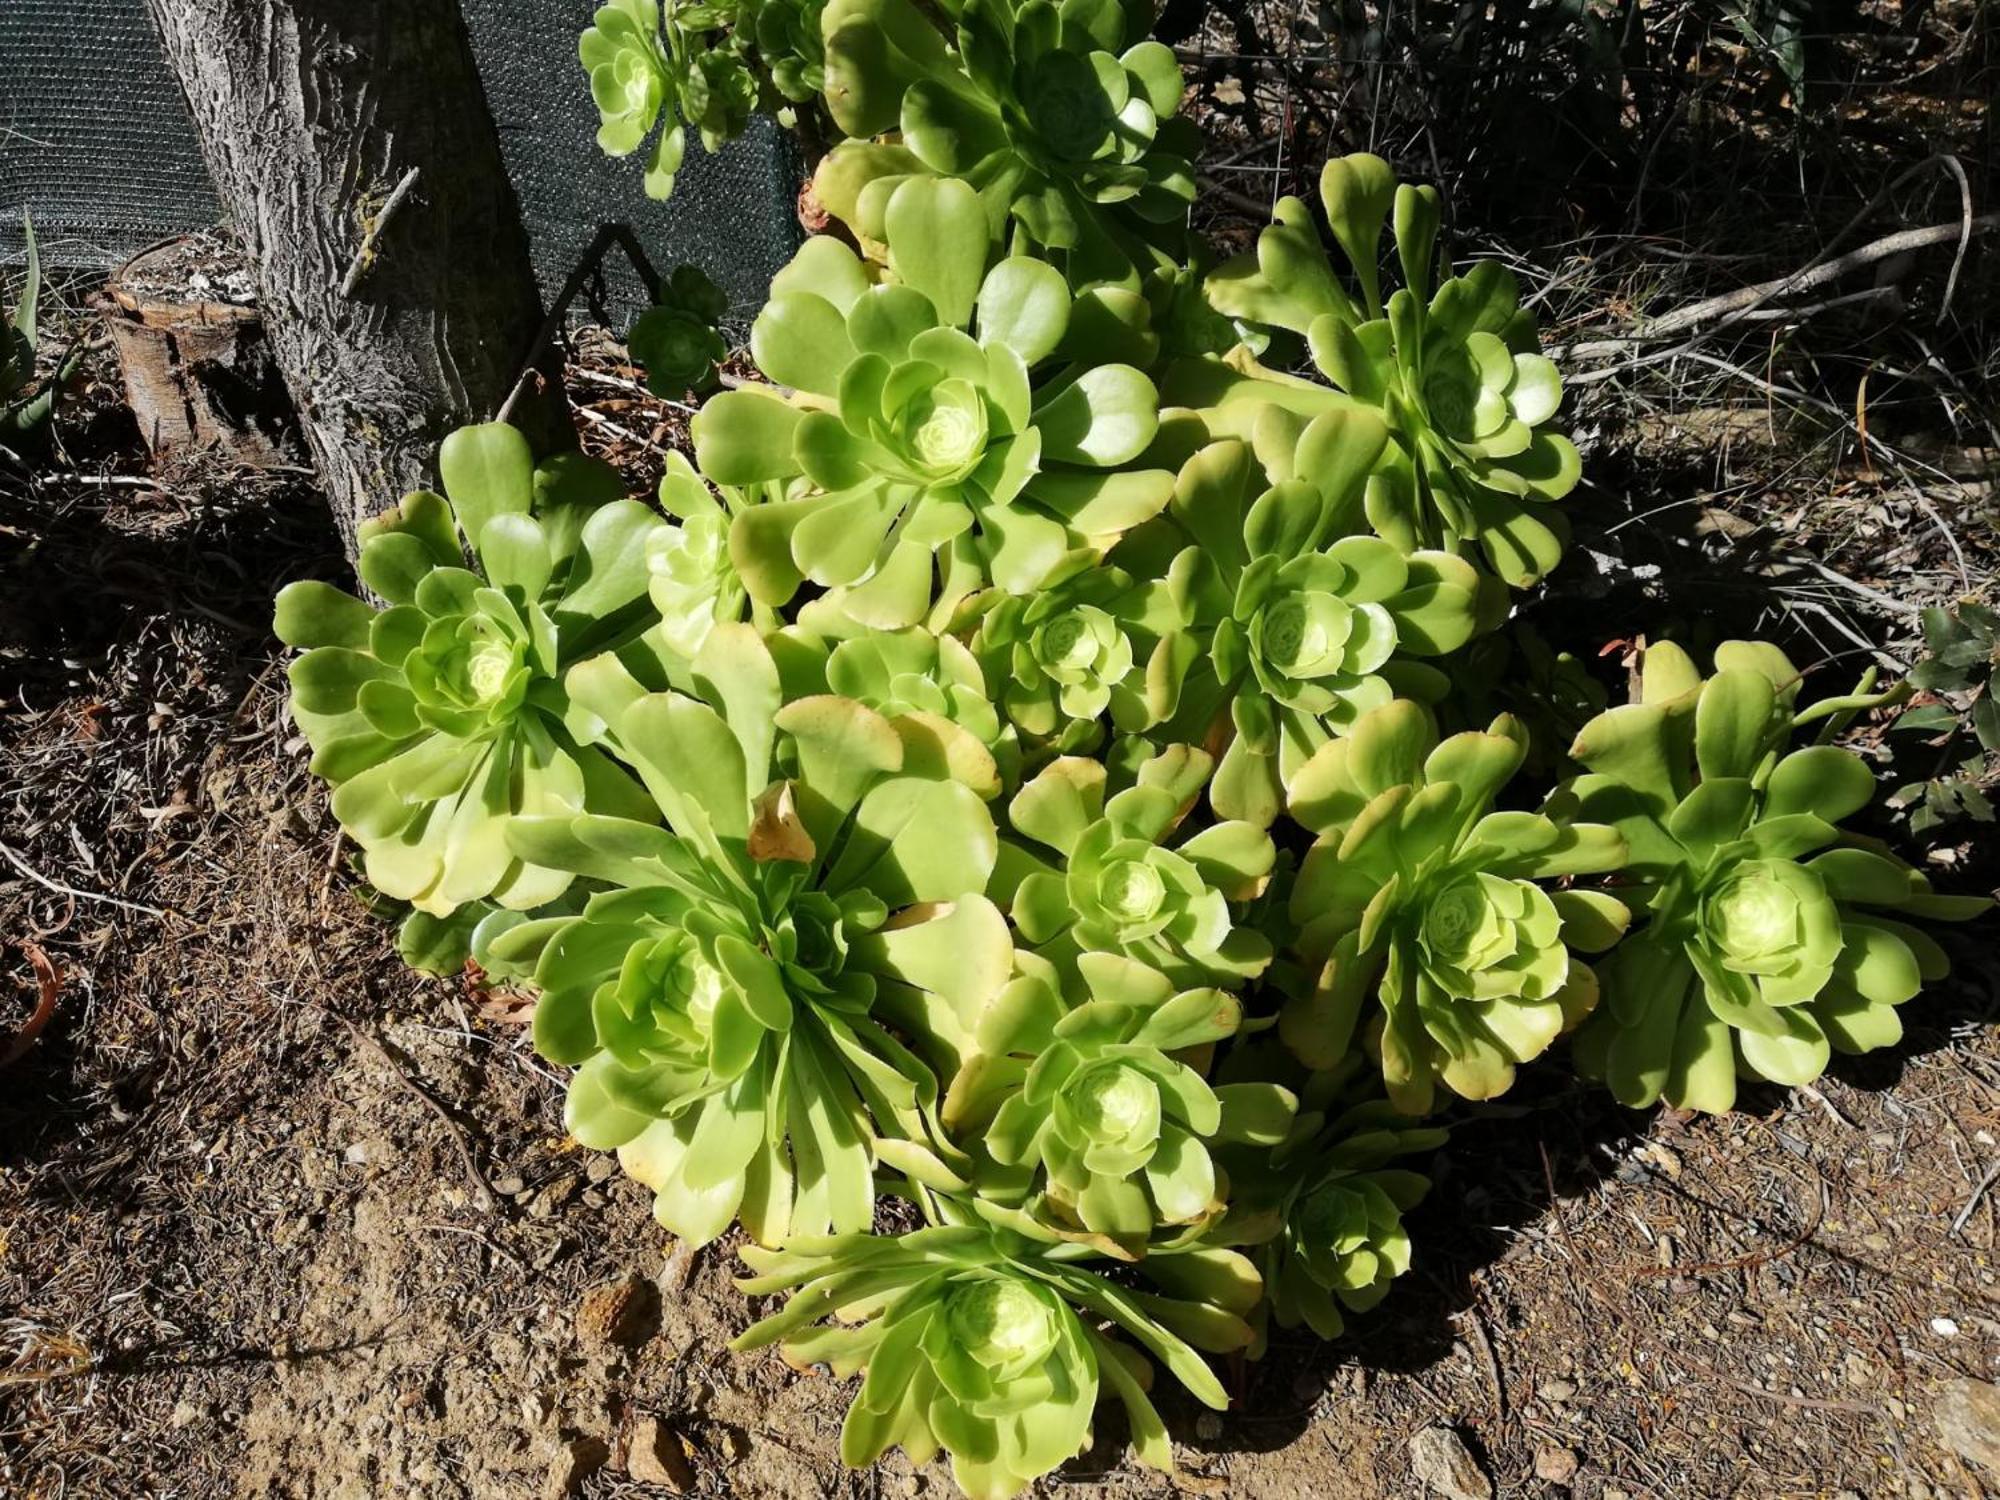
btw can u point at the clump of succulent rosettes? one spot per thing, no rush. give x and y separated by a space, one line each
1047 819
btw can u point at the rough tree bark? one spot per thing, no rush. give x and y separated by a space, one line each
352 149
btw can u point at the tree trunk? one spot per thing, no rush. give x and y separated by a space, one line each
352 149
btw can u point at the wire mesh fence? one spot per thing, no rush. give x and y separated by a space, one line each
96 145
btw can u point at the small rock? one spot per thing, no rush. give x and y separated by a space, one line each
580 1459
655 1456
551 1198
1860 1374
1967 1414
735 1444
186 1414
600 1168
1439 1457
356 1155
1944 1328
1611 1493
1208 1427
619 1312
1849 1495
1555 1392
1556 1465
508 1184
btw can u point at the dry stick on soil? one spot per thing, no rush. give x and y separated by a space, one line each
618 430
1241 202
1965 1213
487 1197
1492 1365
71 891
1743 301
1735 307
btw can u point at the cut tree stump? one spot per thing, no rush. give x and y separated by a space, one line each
199 372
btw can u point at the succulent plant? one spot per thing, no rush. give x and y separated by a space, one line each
899 814
1121 887
1060 118
1754 959
1320 1211
676 340
1086 1116
440 716
1061 655
691 65
1416 891
936 461
790 43
914 673
722 993
25 407
1453 367
691 577
1284 629
631 83
991 1343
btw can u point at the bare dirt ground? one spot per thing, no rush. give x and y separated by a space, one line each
280 1219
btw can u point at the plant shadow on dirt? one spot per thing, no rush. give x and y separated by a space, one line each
134 631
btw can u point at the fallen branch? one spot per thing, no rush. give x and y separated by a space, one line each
1746 298
71 891
1736 306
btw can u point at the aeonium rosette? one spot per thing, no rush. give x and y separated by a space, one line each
1320 1211
992 1340
1123 881
1061 118
630 83
676 340
1419 895
935 459
1090 1117
689 573
1453 368
1754 960
440 716
899 672
1279 629
722 995
1064 657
